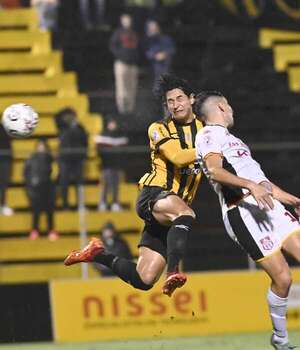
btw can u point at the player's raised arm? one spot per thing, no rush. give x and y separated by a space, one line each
169 147
180 157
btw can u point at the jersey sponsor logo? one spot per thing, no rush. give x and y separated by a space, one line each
242 153
267 243
190 171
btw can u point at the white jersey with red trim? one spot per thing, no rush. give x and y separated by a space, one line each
236 156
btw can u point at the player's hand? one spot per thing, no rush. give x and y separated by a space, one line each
262 195
297 211
296 205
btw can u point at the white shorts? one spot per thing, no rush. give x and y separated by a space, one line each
259 232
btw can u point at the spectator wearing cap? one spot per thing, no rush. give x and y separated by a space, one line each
113 244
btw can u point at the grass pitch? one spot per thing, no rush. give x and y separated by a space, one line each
257 341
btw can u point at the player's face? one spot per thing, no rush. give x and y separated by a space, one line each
180 105
228 113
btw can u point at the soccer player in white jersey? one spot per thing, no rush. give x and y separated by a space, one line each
251 205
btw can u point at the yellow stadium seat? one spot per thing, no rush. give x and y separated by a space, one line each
42 272
27 18
64 84
31 73
32 41
50 64
22 249
49 104
294 78
22 148
269 36
285 54
68 221
91 172
46 126
16 196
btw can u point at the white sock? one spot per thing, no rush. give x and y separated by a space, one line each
278 310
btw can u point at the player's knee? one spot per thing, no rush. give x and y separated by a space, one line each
284 281
139 283
148 278
186 212
144 286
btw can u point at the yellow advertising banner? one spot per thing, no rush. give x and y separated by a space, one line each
209 303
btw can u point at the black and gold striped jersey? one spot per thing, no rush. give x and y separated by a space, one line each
173 158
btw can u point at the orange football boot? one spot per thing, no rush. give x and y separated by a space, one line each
174 280
86 254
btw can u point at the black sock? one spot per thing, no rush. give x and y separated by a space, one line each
105 259
176 240
123 268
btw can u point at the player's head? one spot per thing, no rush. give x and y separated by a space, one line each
213 107
176 95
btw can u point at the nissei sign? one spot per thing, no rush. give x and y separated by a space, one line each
209 303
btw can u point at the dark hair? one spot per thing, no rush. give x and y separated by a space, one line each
109 226
43 140
168 82
201 98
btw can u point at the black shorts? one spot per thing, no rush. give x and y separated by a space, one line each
154 235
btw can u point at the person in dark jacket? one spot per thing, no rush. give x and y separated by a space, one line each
40 188
109 145
5 170
115 245
124 45
72 154
160 49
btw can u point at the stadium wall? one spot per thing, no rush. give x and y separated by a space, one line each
107 309
210 303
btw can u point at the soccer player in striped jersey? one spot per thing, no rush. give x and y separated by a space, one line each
166 193
251 205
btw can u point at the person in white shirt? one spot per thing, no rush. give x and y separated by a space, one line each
251 204
47 13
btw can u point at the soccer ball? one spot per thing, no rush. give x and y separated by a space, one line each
19 120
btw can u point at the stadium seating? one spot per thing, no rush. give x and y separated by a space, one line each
286 53
31 72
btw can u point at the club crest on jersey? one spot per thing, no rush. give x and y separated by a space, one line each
155 135
207 140
267 243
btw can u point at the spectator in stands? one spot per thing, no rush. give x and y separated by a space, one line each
93 17
47 12
5 170
40 188
124 44
109 145
72 155
159 49
114 244
62 119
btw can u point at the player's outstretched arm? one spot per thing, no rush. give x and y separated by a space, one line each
262 195
176 155
286 198
162 142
